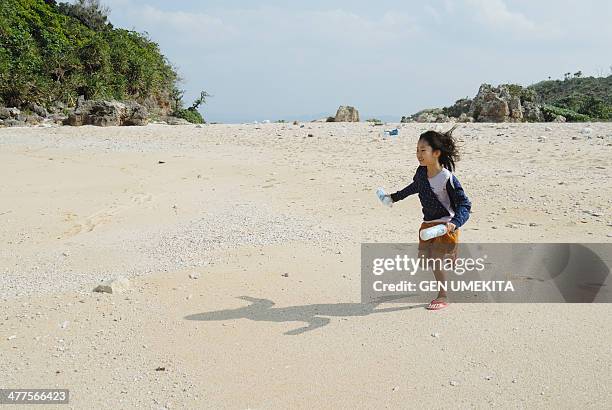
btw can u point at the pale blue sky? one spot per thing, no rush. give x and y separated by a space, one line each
285 60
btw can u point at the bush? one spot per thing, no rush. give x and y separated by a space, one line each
550 113
590 96
48 56
190 114
596 108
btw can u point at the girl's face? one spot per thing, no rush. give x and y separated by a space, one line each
425 154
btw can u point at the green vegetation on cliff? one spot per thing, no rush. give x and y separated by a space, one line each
52 53
577 98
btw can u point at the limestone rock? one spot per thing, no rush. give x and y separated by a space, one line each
491 104
516 109
465 118
14 123
532 112
347 114
9 113
118 285
177 121
136 114
38 110
108 113
4 113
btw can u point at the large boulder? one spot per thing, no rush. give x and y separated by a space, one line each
516 109
4 113
496 104
490 104
10 113
347 114
532 112
108 113
38 109
14 123
136 114
465 118
560 118
176 121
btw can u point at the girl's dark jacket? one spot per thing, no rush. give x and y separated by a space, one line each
432 207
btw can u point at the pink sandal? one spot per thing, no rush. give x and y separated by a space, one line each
437 305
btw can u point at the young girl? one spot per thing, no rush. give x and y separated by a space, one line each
442 198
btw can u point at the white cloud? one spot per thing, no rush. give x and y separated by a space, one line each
496 15
271 26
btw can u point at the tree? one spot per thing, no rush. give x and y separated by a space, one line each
200 100
176 95
89 12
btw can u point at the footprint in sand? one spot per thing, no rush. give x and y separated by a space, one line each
102 216
91 222
142 198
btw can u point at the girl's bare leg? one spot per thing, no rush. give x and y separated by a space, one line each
440 276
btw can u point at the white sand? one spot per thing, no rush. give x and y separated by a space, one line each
241 205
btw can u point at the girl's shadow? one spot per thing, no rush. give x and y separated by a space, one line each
262 310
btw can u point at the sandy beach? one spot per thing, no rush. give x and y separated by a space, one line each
242 247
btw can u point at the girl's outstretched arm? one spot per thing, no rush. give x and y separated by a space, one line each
461 202
409 190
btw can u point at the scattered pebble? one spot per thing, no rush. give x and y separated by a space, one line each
64 324
453 383
11 337
194 276
114 286
533 224
286 275
435 335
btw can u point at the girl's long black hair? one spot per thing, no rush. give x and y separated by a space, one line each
445 142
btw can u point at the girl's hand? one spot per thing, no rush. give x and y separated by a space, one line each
450 227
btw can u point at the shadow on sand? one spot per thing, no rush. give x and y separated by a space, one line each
313 315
